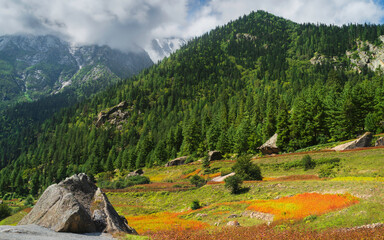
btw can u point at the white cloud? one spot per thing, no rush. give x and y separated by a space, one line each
123 23
338 12
119 23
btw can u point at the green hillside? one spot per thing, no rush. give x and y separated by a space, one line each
229 90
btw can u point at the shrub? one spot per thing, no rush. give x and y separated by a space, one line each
246 170
225 171
5 211
233 183
197 180
29 201
326 171
308 163
195 205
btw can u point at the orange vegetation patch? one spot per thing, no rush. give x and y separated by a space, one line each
27 210
191 174
163 221
302 205
212 175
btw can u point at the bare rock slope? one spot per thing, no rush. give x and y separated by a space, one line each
76 205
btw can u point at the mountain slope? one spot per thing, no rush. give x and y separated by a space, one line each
229 90
32 67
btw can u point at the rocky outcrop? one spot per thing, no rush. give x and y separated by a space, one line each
363 141
379 142
367 54
113 115
177 161
270 146
137 172
214 155
76 205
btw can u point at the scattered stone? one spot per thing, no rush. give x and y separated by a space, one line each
363 141
259 215
270 146
222 178
379 142
233 216
215 155
233 224
76 205
201 215
177 161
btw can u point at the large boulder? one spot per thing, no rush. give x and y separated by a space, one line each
379 142
76 205
363 141
270 146
214 155
177 161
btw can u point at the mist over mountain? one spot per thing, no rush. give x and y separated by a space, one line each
32 67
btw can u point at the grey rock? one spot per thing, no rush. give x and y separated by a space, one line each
114 115
270 146
35 232
177 161
215 155
233 224
379 142
363 141
76 205
233 216
137 172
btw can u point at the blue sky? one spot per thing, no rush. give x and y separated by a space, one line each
123 23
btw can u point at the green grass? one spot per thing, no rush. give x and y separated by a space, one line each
14 219
365 167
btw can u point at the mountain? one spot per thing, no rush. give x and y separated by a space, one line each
229 90
161 48
32 67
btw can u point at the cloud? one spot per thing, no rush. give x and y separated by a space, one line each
337 12
124 24
118 23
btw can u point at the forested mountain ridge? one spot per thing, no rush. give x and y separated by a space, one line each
32 67
228 90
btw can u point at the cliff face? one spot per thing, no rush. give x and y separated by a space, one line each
366 54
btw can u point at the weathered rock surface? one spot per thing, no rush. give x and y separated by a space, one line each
76 205
222 178
270 146
379 142
215 155
363 141
114 115
177 161
34 232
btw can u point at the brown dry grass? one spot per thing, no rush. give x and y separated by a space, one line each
270 232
